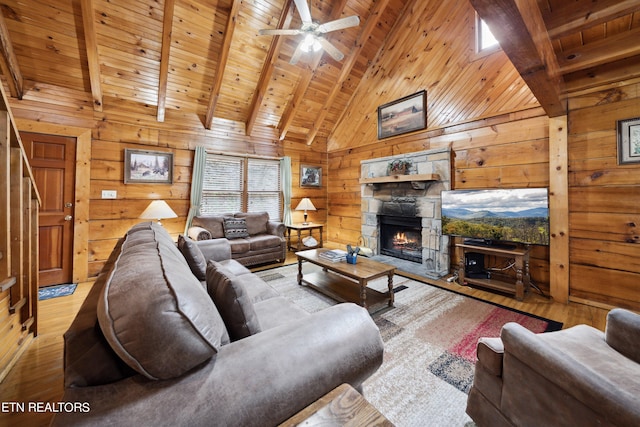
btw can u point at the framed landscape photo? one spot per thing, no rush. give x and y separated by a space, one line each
403 115
310 176
148 167
629 141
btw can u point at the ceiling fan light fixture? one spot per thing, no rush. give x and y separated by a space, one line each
310 43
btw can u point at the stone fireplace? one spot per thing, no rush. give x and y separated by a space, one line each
401 215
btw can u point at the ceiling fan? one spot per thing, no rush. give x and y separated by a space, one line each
313 32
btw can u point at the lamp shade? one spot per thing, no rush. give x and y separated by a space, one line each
158 209
305 205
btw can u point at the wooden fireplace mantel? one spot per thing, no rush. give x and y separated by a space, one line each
425 177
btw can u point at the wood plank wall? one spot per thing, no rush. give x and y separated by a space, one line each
132 125
604 200
506 151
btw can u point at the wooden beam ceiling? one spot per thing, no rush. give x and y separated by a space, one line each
181 55
222 62
267 70
573 17
9 62
91 46
303 84
600 52
167 25
519 27
347 66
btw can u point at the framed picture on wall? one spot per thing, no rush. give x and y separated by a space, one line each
629 141
403 115
310 176
148 167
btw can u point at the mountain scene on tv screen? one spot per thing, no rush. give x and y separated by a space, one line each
496 221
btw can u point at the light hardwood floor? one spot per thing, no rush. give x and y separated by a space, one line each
37 376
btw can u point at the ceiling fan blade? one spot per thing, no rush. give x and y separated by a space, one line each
296 54
280 32
339 24
303 10
331 49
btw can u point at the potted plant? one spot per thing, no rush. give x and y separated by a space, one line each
399 167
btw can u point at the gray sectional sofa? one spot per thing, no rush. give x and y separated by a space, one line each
253 237
182 335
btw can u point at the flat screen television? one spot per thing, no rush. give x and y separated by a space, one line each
497 216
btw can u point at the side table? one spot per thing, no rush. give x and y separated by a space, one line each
343 406
298 228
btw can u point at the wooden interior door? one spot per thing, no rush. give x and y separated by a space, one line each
52 159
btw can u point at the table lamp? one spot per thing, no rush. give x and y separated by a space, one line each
158 209
305 205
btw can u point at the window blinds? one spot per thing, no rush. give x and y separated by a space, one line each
238 184
222 188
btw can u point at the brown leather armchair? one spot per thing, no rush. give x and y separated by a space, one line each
579 376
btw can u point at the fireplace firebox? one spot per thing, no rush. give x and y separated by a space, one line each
401 237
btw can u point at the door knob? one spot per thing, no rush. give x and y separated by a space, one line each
68 217
68 205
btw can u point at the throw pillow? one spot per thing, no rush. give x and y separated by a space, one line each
235 228
233 302
192 253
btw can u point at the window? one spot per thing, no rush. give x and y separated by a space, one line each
241 184
484 38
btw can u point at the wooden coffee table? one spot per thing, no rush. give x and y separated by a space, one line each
347 282
343 406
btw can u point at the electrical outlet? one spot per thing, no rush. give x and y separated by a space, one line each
109 194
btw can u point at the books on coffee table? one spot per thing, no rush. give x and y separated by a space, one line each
334 255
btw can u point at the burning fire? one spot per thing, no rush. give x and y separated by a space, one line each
400 239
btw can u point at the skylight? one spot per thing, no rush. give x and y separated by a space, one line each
485 37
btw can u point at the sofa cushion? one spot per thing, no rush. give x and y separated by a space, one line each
256 221
233 302
264 241
153 311
194 257
232 265
213 223
240 246
277 311
235 228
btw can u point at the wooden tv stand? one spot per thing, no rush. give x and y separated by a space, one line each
521 258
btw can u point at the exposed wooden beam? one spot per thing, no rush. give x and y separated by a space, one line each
519 27
268 67
613 48
559 278
303 84
9 62
575 16
609 75
347 66
88 22
167 25
222 62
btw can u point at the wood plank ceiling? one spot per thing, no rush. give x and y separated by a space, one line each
205 57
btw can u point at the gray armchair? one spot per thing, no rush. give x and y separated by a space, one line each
579 376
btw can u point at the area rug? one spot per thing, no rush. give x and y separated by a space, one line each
430 341
55 291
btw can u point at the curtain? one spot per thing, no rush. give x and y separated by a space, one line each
199 162
285 179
